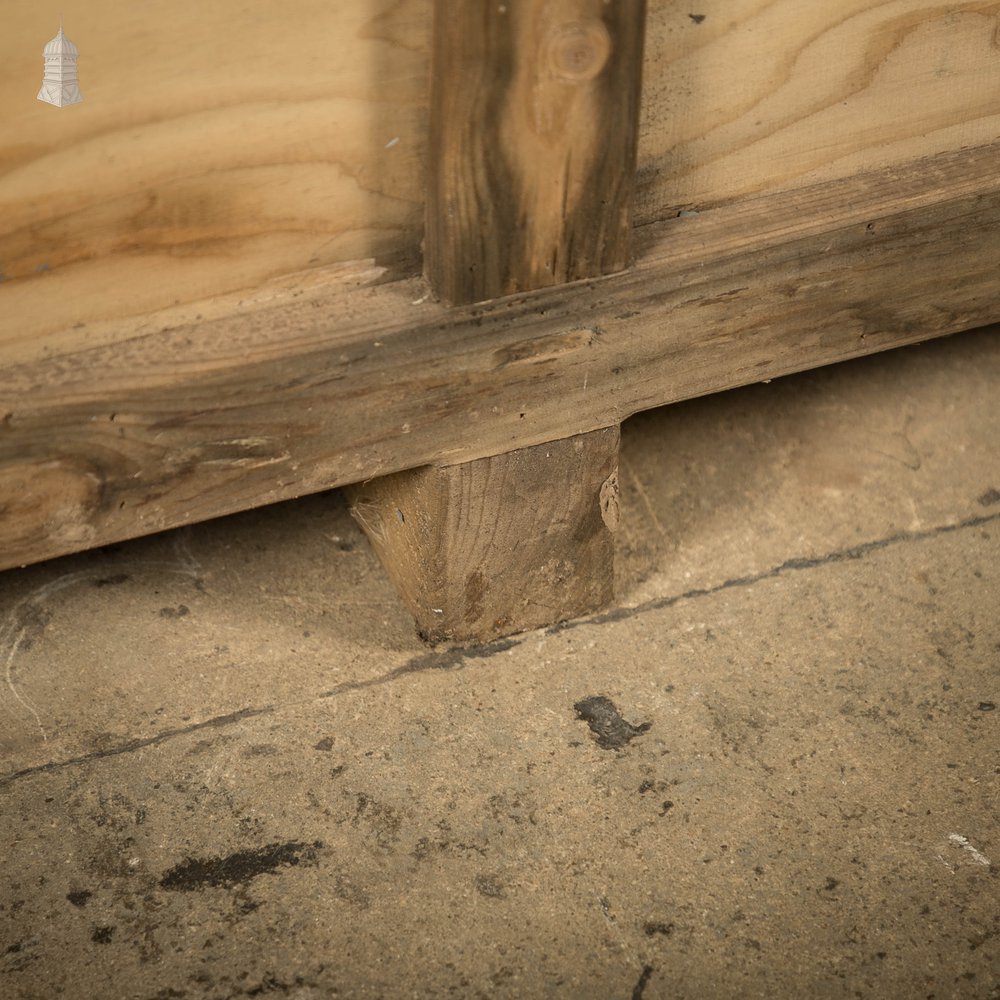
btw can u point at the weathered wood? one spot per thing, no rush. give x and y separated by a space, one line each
502 544
533 127
218 155
534 107
284 398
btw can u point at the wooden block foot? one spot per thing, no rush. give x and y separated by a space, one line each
499 545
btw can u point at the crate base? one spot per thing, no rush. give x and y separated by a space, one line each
499 545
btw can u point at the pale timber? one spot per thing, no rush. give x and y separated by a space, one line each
219 157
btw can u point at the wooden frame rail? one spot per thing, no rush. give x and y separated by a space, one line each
276 401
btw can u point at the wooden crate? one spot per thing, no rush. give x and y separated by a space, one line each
211 291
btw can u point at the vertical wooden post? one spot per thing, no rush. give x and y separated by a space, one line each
533 123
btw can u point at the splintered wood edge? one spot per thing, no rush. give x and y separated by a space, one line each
210 418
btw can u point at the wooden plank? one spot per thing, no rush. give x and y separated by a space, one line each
533 126
743 97
534 105
328 389
502 544
220 149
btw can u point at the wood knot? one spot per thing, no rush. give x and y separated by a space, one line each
579 50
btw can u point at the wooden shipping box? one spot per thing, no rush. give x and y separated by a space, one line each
210 268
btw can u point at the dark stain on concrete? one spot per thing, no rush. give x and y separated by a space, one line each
102 935
456 658
640 987
79 897
179 612
606 723
382 819
491 886
653 928
448 659
271 984
21 954
649 785
238 868
990 497
112 581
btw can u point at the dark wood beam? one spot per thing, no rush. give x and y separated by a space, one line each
207 419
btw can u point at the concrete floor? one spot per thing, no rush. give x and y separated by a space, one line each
229 768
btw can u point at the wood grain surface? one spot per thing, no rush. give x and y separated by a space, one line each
534 115
219 146
502 544
748 96
333 387
225 148
534 107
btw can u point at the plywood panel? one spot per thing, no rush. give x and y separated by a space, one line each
218 145
744 96
223 147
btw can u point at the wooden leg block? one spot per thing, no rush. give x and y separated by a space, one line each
502 544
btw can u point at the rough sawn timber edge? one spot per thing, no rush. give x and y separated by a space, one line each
197 421
502 544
